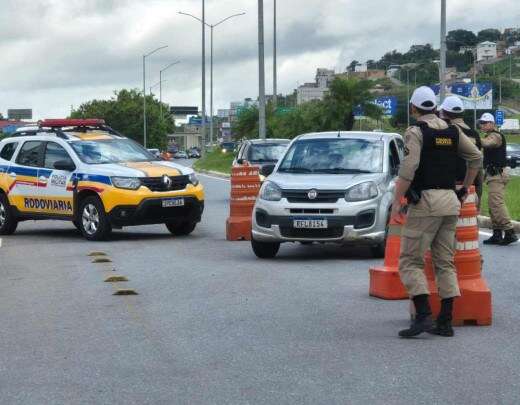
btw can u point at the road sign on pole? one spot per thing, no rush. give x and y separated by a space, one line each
499 118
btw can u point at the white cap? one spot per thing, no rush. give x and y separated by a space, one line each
487 117
452 104
424 98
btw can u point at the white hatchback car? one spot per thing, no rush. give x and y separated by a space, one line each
329 187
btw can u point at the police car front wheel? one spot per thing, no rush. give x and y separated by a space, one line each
93 222
8 221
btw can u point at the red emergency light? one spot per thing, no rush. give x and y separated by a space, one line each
76 122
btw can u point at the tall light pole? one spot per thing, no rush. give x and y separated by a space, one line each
261 70
275 73
160 84
442 69
475 88
211 26
155 85
144 89
408 96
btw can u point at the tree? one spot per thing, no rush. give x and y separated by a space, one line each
352 66
124 113
457 38
489 34
344 96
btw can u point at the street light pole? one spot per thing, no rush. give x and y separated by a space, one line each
275 72
203 122
261 70
442 70
408 96
160 84
144 90
211 26
475 89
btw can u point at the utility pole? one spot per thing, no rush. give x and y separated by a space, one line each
261 70
160 85
275 78
500 89
442 69
511 66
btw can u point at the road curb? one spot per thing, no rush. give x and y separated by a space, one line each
485 222
214 173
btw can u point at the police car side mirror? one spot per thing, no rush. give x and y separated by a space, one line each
240 161
65 164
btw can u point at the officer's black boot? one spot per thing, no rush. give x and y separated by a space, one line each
442 325
509 237
496 239
422 321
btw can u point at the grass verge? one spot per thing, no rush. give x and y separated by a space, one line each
216 161
512 199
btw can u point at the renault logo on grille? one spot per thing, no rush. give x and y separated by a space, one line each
167 182
312 194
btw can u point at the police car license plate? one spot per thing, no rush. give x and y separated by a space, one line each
173 202
310 223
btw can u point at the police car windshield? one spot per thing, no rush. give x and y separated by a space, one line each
111 151
269 152
334 156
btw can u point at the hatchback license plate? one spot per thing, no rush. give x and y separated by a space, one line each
310 223
173 202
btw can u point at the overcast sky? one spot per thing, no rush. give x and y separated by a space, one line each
58 53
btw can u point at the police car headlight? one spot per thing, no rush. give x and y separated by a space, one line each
129 183
362 192
194 179
270 192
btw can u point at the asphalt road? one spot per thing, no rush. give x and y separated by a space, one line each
214 325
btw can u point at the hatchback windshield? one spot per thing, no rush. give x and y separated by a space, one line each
269 152
334 156
111 151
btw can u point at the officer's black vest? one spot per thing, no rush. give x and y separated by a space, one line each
496 157
438 166
461 163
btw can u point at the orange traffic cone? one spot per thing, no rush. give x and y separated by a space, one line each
384 281
474 307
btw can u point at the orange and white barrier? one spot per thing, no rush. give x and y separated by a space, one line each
245 185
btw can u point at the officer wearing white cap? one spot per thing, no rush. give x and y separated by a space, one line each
427 176
495 161
451 111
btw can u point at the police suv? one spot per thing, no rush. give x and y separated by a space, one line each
83 171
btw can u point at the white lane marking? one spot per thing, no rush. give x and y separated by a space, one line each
0 242
485 233
212 177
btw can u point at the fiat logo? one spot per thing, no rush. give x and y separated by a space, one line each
167 182
312 194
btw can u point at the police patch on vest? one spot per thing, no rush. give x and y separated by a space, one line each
443 142
50 205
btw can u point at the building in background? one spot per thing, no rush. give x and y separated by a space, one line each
315 91
486 50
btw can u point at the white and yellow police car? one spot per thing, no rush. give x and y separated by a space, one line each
83 171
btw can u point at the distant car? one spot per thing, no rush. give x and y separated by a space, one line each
513 155
173 149
193 153
181 155
155 152
261 152
228 147
329 187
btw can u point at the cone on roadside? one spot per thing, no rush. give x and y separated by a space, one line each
385 281
474 306
245 185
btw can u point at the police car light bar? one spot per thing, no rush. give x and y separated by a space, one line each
59 123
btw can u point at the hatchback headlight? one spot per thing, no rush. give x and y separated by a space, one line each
129 183
194 179
362 192
270 192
